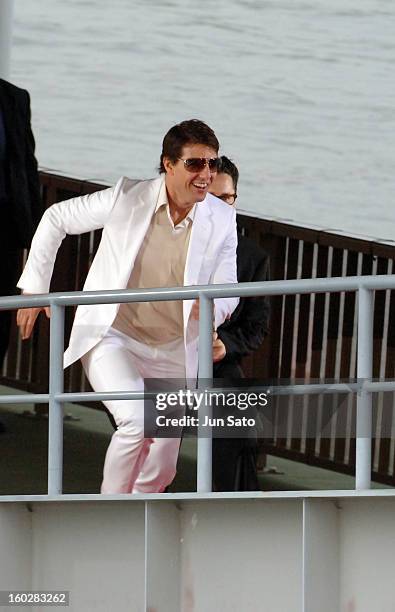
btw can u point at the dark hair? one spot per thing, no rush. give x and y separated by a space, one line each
228 167
192 131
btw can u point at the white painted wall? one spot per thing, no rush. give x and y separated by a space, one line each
15 547
163 557
235 555
367 556
321 546
95 551
242 556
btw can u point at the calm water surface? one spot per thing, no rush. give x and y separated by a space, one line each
300 93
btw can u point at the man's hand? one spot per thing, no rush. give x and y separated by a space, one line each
26 318
219 350
195 311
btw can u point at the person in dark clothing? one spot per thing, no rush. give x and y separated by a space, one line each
20 201
234 459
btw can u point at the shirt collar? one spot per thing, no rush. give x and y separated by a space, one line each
164 201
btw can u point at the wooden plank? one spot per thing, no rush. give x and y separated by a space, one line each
264 362
384 466
319 311
302 348
345 361
289 312
317 343
384 400
304 313
287 335
328 407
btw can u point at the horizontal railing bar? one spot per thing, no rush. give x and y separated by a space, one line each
28 398
314 389
113 296
355 387
277 287
90 396
305 389
309 389
388 385
192 497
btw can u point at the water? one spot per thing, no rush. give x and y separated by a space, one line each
300 93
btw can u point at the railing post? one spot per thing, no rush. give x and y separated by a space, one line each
204 454
55 424
363 460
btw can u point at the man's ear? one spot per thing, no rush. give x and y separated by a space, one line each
168 165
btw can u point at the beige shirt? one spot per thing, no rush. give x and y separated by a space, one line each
160 262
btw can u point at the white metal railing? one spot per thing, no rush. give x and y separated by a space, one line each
363 285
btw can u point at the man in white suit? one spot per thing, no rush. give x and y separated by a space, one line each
162 232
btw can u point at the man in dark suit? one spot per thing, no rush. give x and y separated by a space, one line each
234 459
20 202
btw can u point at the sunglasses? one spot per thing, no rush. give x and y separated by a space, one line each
196 164
229 198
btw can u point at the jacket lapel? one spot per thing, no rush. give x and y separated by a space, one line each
142 206
200 236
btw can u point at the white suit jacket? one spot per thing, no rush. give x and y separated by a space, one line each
124 212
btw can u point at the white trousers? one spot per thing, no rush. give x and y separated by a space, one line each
120 363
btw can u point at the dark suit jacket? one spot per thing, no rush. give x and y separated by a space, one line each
24 206
249 323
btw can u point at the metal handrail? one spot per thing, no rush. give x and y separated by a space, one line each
363 285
